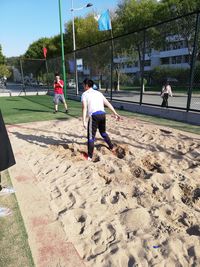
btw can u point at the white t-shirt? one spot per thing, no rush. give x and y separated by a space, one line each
94 101
167 90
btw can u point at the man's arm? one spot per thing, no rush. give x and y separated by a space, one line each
107 103
170 91
61 83
84 113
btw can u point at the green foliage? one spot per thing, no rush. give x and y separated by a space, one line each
130 16
2 58
4 71
35 50
160 74
133 15
125 79
86 31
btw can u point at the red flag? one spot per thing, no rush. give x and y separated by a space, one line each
45 51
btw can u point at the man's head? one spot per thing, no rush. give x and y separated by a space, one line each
57 76
87 83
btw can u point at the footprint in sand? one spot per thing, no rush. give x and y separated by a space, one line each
135 219
55 192
97 236
196 194
113 197
185 220
75 221
103 240
137 171
151 164
119 151
194 230
187 194
63 203
70 200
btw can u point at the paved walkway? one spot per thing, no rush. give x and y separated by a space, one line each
45 234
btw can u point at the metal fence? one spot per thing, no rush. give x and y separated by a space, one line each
133 67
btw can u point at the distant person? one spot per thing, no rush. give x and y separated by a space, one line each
166 92
5 80
115 86
6 160
93 105
58 93
107 85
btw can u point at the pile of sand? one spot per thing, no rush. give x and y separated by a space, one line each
137 207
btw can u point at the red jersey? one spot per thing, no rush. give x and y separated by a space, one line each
57 88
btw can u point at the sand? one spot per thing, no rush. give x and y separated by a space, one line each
137 207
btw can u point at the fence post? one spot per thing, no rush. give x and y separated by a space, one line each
22 76
142 67
62 50
193 61
111 66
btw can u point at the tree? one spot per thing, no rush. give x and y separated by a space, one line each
4 70
2 58
96 58
133 15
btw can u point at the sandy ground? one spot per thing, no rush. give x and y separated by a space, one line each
137 207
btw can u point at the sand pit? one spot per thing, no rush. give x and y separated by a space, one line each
137 207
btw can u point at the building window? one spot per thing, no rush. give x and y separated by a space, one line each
165 61
186 59
177 60
147 63
174 45
129 65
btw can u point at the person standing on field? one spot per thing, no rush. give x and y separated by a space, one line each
58 93
93 105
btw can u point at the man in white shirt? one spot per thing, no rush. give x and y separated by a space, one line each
93 105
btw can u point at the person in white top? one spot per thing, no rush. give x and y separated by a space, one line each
166 92
93 105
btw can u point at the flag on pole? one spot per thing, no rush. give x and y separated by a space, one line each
104 21
45 51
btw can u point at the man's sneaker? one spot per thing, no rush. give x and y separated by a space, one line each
5 212
66 111
7 191
85 155
55 111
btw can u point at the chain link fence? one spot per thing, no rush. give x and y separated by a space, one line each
132 67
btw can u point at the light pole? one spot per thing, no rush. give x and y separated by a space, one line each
74 39
62 48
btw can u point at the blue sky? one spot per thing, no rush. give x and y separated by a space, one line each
25 21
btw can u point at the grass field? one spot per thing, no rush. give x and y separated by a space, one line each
21 109
14 248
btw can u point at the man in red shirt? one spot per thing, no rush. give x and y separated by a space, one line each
58 93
